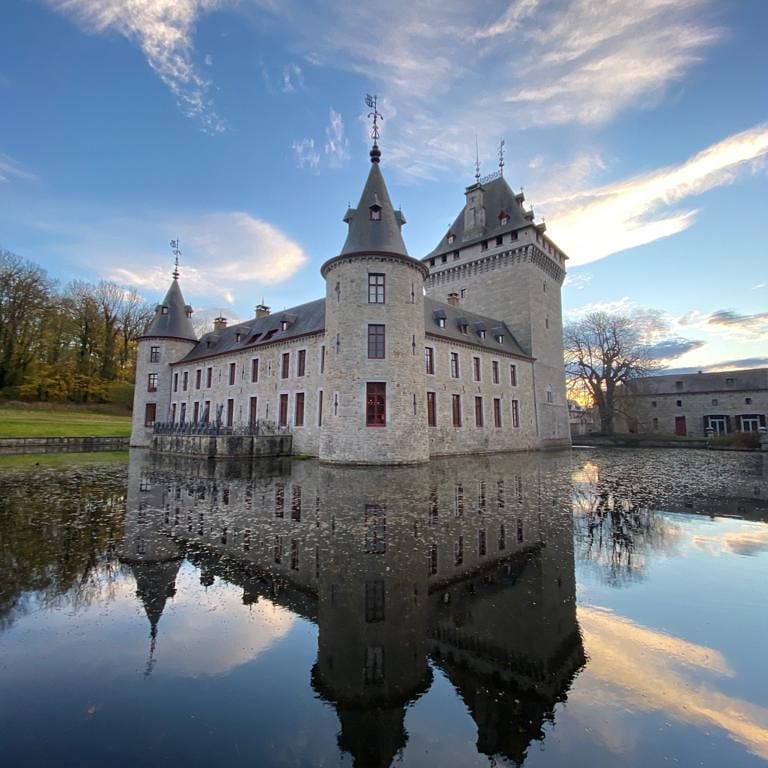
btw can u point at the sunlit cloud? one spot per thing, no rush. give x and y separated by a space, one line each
235 249
651 670
597 222
751 540
729 324
163 30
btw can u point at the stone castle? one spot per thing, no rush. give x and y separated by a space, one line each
404 359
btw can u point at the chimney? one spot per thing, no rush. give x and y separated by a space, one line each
453 299
262 310
219 323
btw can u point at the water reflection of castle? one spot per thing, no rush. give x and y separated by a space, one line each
465 562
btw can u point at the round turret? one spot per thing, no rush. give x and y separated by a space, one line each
375 410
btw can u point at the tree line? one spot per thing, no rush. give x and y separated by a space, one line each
66 343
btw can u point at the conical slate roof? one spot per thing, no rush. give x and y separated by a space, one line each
172 317
374 225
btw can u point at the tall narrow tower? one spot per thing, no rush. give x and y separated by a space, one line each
169 337
502 264
374 320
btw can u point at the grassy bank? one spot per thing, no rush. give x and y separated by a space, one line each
40 422
21 461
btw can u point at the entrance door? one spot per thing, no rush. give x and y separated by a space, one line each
680 429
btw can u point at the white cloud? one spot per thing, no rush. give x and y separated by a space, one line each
336 145
622 306
10 168
577 282
293 78
163 29
306 154
223 252
729 324
600 221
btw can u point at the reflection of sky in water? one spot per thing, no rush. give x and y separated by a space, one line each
671 608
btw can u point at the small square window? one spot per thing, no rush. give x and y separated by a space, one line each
444 258
653 403
451 237
748 400
484 245
456 255
499 240
679 403
714 401
729 382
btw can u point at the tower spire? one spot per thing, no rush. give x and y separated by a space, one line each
371 102
176 251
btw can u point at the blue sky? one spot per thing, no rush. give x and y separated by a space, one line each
639 130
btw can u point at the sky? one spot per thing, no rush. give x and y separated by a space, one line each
637 128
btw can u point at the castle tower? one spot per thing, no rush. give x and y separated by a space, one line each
375 410
501 264
169 337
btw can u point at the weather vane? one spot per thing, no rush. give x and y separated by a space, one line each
501 157
477 161
176 251
370 102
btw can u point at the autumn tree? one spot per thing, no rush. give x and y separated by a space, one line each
602 352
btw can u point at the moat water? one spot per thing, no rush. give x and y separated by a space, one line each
581 608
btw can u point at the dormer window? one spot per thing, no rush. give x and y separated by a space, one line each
375 213
500 338
451 237
503 219
237 338
482 333
441 322
164 310
283 325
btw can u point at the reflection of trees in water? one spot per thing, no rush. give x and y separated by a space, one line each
615 534
64 553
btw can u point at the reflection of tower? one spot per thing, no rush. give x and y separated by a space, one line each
507 636
372 607
147 548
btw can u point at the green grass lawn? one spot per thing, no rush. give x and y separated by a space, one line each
57 423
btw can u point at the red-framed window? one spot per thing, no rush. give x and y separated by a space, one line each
375 404
496 412
429 359
478 411
255 369
495 371
232 372
253 410
376 293
185 380
513 375
376 342
198 378
230 412
208 376
154 354
286 365
298 412
456 410
301 362
283 417
152 382
431 409
150 414
175 382
454 365
515 414
476 368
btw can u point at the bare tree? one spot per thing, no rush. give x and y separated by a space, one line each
602 352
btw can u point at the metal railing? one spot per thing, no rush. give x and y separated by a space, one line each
259 427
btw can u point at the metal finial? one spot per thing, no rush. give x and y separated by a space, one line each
477 161
371 102
501 157
176 251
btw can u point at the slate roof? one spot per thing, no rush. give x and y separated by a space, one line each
302 320
474 323
175 322
366 235
310 318
498 197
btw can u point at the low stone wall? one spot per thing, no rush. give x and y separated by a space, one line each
224 446
13 445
